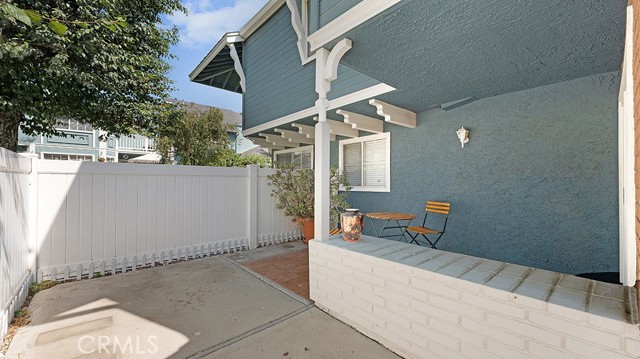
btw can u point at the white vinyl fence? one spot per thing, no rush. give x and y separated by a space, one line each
16 255
110 218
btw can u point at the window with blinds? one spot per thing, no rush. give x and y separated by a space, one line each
67 124
66 157
365 162
302 157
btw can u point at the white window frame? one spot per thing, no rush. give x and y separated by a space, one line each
386 136
93 157
296 149
68 127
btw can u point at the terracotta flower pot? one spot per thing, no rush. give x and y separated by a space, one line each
306 225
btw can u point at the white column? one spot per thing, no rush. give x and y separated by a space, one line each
322 143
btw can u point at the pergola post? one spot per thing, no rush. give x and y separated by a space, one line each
326 71
322 143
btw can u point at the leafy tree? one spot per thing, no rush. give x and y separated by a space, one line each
231 159
194 137
294 191
254 159
102 62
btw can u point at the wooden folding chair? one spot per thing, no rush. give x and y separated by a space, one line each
441 208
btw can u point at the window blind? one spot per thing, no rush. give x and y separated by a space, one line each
374 163
352 163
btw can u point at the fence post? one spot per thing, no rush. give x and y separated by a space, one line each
32 215
252 206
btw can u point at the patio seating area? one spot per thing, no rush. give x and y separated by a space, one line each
210 307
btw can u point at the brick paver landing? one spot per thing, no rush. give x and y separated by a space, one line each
289 270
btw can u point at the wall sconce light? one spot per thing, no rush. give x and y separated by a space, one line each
463 135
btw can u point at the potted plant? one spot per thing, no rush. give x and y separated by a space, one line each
294 190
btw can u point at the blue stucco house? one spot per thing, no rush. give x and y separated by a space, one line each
379 88
82 141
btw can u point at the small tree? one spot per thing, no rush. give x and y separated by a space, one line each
195 138
294 191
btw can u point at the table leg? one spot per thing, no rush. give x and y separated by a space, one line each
404 230
375 230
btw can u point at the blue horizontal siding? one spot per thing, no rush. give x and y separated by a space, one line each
331 9
277 83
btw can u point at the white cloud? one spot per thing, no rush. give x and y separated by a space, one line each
205 24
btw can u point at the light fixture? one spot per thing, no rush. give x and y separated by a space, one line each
463 135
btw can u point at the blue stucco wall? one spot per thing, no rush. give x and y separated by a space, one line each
331 9
277 83
536 185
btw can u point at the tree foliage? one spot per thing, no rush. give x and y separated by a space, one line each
198 136
232 159
194 137
294 190
102 62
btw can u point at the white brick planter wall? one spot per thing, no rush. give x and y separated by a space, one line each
424 303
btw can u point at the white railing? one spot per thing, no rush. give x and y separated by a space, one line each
110 218
16 257
136 142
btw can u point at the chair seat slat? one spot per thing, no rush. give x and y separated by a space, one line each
424 230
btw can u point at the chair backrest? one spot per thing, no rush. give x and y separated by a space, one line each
438 207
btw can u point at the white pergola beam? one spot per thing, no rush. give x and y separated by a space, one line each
278 141
265 144
362 122
309 131
340 128
394 114
292 136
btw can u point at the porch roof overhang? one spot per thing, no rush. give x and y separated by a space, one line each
221 67
453 51
341 125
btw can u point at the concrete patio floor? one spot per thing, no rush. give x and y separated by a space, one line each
210 307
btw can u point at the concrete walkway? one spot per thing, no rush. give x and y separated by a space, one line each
209 307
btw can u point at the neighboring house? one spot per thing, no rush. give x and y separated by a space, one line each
83 144
536 83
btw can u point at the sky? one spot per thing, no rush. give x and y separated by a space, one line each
200 30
